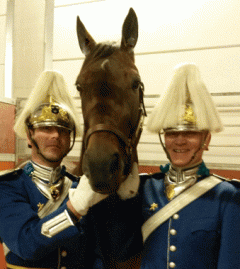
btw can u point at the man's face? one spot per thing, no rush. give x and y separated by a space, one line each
183 145
53 144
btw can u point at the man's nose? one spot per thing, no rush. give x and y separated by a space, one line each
180 139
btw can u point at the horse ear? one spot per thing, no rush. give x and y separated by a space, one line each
130 31
85 40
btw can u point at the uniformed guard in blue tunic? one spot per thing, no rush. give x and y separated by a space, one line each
38 223
31 196
191 217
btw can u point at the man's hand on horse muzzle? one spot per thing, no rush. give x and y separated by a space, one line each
83 197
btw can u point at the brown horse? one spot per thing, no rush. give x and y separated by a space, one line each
111 93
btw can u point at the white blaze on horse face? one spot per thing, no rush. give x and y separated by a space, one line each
104 63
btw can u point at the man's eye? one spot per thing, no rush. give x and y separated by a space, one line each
191 134
64 131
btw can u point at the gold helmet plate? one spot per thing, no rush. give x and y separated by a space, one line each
51 114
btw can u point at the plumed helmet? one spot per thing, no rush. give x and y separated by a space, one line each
49 104
186 105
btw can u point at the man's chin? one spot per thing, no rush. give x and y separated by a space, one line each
53 159
186 163
181 163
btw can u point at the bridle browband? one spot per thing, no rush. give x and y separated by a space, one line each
130 142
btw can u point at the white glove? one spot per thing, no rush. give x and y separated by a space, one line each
83 197
129 188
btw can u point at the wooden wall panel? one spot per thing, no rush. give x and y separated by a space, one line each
7 165
7 137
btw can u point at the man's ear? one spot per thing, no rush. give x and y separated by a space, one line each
207 141
29 141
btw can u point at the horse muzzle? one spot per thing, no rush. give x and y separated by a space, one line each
103 163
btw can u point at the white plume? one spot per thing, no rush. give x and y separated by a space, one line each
49 82
169 109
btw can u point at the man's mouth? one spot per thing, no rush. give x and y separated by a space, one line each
180 150
54 145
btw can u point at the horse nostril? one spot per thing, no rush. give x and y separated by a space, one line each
115 163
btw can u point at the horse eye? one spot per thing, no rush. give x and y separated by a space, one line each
136 85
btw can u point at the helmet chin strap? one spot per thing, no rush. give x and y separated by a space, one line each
194 154
164 148
38 149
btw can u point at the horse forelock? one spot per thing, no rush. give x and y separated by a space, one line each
102 50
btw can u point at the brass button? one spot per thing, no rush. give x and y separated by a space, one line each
172 264
64 253
173 248
175 216
173 232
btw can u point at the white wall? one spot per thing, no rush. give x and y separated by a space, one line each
29 45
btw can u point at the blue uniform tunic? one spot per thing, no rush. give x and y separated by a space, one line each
203 235
89 244
20 228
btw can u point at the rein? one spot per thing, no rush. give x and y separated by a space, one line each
130 143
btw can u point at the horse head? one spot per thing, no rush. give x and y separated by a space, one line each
111 94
